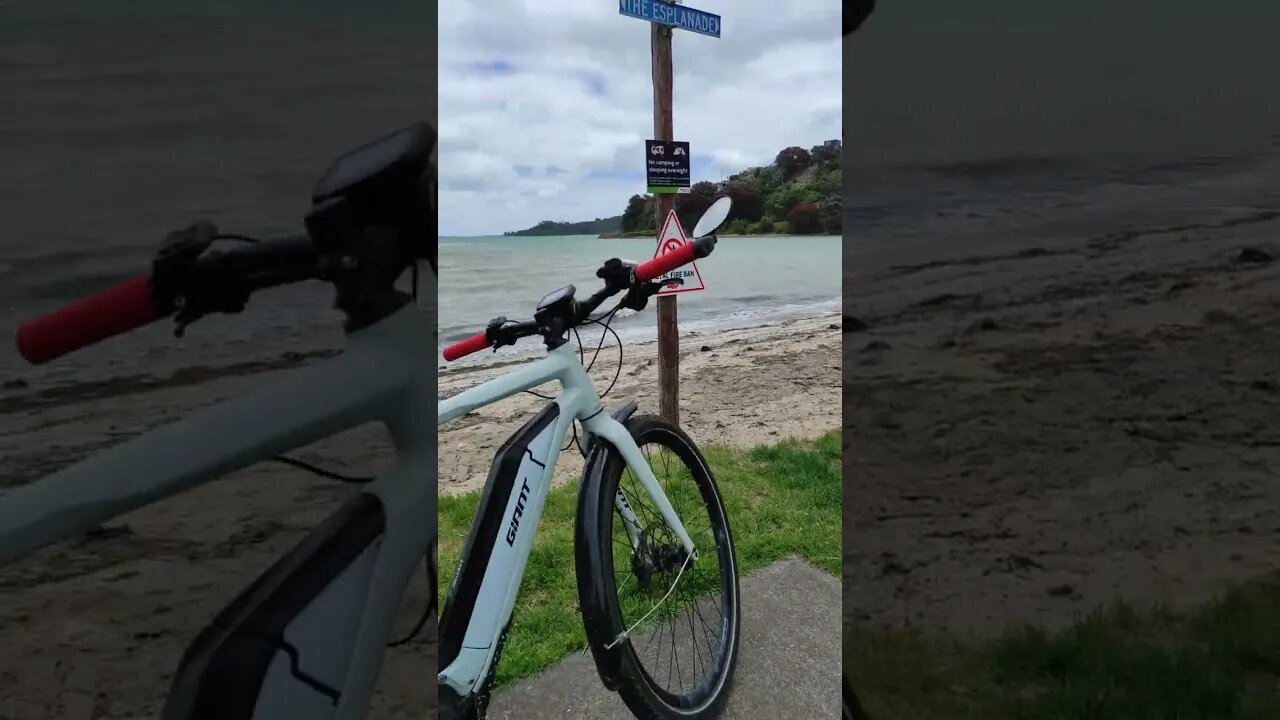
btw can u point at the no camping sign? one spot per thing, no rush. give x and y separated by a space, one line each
671 238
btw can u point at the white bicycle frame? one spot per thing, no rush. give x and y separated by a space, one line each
538 447
344 583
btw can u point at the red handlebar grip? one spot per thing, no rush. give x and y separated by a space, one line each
113 311
663 264
473 344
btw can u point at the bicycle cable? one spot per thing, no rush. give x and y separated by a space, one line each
358 479
237 238
605 321
294 462
431 604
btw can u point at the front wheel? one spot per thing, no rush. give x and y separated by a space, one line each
852 708
673 619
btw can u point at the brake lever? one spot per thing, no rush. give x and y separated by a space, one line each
617 274
491 332
189 310
638 296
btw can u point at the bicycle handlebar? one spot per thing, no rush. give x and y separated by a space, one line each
498 333
682 255
473 344
116 310
181 281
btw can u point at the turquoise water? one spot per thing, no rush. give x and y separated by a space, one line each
749 281
124 121
974 127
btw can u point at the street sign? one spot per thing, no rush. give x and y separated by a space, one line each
671 238
664 13
666 165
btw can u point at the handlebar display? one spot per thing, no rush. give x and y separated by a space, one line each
119 309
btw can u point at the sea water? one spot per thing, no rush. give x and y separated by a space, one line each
749 281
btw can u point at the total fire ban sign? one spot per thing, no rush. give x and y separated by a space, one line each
671 239
666 165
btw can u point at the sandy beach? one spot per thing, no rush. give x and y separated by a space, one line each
1031 435
738 388
94 627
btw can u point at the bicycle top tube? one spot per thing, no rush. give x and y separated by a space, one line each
560 312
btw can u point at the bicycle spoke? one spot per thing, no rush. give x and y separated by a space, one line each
673 663
693 642
709 633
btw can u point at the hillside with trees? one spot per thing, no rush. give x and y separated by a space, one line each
586 227
799 194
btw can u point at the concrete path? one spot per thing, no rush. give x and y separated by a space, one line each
788 664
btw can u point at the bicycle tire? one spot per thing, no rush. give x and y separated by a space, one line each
637 688
852 708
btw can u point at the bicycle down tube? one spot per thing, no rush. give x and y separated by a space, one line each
485 588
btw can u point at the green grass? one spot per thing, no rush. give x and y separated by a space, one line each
781 500
1220 662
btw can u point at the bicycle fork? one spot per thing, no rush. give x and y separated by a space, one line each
629 519
616 434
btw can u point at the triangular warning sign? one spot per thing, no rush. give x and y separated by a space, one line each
672 237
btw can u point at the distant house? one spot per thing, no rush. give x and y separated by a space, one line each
833 144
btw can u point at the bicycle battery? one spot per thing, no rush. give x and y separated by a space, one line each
281 649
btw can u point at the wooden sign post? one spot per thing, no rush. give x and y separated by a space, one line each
664 18
668 331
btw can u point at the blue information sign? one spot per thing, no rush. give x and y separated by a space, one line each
685 18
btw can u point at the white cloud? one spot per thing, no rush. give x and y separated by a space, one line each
545 104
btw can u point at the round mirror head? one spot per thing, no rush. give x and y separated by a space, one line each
713 217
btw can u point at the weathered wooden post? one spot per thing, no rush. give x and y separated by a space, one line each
664 17
668 330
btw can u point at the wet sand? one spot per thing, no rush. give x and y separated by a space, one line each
94 627
1029 436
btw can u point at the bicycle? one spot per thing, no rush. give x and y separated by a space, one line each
649 542
306 639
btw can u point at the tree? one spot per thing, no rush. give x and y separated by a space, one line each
804 219
782 200
768 179
824 154
633 216
792 161
829 181
831 215
691 205
764 198
748 203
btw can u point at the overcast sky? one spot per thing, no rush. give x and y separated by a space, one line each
545 105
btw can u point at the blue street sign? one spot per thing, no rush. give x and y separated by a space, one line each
685 18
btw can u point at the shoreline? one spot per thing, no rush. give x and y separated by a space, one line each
610 345
19 396
648 234
124 385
